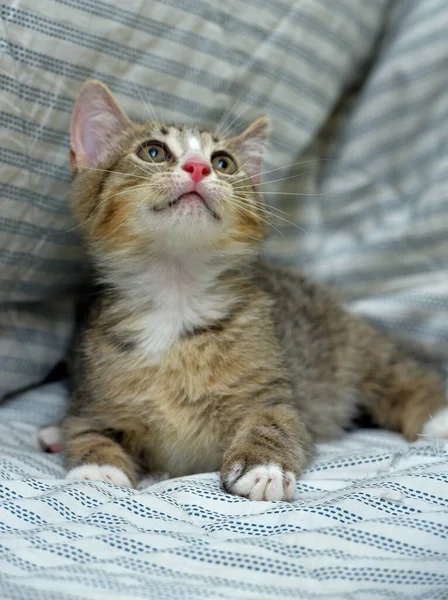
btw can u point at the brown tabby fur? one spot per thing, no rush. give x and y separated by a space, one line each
281 366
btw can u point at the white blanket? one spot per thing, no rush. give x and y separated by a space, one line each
370 520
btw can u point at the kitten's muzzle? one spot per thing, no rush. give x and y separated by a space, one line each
191 197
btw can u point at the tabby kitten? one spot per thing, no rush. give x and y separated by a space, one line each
196 355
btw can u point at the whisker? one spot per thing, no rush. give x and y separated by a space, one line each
73 228
103 200
220 127
116 229
242 207
148 105
243 202
156 197
276 180
291 194
274 216
117 172
233 121
300 162
141 167
262 204
123 222
127 191
241 167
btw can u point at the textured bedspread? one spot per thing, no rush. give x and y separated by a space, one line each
370 520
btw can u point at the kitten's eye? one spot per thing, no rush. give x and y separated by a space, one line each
154 152
224 163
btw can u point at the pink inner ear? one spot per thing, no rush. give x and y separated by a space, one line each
255 168
97 121
252 151
251 145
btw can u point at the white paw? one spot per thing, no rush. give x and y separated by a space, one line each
437 426
49 439
107 473
264 482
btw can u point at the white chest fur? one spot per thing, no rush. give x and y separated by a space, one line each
182 298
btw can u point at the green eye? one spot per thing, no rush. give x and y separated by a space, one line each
154 152
224 163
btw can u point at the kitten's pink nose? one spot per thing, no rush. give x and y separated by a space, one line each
198 169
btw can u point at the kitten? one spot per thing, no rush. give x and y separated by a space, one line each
196 355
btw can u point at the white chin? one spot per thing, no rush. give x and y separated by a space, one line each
187 226
191 210
191 205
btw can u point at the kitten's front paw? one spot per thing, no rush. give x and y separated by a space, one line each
260 482
437 426
49 439
93 472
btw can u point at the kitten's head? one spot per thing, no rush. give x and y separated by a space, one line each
155 187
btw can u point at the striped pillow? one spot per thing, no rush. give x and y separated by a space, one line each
200 61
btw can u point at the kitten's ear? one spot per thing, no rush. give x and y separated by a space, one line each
97 120
251 145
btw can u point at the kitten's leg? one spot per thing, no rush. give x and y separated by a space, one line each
92 455
404 397
267 454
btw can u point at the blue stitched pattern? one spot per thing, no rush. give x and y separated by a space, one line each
369 520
